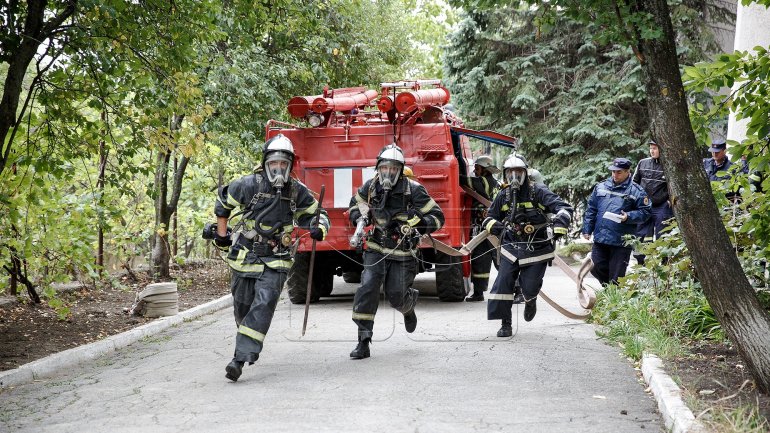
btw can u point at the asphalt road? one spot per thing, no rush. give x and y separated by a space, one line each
451 375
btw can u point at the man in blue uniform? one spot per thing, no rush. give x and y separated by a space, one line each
717 167
615 208
258 248
519 218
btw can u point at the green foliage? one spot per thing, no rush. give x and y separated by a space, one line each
126 69
660 305
551 77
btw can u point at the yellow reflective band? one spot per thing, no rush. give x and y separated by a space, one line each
536 259
504 208
363 316
242 267
560 230
308 210
428 206
255 335
224 205
489 225
484 276
526 204
277 263
500 297
323 229
232 201
414 221
374 247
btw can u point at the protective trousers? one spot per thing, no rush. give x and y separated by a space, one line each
254 302
481 263
501 296
610 262
395 276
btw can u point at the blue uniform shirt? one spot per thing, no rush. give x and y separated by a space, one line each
628 197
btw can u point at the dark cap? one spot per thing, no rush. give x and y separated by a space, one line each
717 145
620 164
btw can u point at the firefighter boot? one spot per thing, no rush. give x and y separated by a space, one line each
518 297
410 321
530 309
234 370
505 330
362 349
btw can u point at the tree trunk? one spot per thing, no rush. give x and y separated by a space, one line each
19 57
726 287
165 207
103 153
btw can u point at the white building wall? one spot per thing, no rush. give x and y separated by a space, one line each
752 28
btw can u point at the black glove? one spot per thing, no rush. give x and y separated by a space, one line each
317 233
497 229
222 242
422 228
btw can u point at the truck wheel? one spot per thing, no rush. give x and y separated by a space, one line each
296 284
449 279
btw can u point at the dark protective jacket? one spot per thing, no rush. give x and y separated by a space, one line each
255 195
649 175
527 236
712 169
628 197
408 203
487 187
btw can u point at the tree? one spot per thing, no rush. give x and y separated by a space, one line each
646 26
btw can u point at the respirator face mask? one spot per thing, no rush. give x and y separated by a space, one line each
515 177
277 168
389 172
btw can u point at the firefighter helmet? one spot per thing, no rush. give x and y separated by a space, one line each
485 162
390 164
515 171
280 149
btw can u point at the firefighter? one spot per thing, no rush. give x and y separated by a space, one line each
485 185
400 211
518 217
258 247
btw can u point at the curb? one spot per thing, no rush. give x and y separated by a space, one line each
676 415
57 362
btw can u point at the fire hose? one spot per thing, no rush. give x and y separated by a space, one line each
586 295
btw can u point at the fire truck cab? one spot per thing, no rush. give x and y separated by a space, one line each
346 129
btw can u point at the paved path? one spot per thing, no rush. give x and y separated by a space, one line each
451 375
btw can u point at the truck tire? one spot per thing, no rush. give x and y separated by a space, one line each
449 278
296 283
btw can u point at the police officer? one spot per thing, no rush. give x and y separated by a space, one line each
518 217
258 249
485 184
717 167
615 207
400 210
649 175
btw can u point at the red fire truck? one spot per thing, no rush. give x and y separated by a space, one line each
345 130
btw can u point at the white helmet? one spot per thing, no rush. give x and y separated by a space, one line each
278 148
485 161
390 165
515 171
